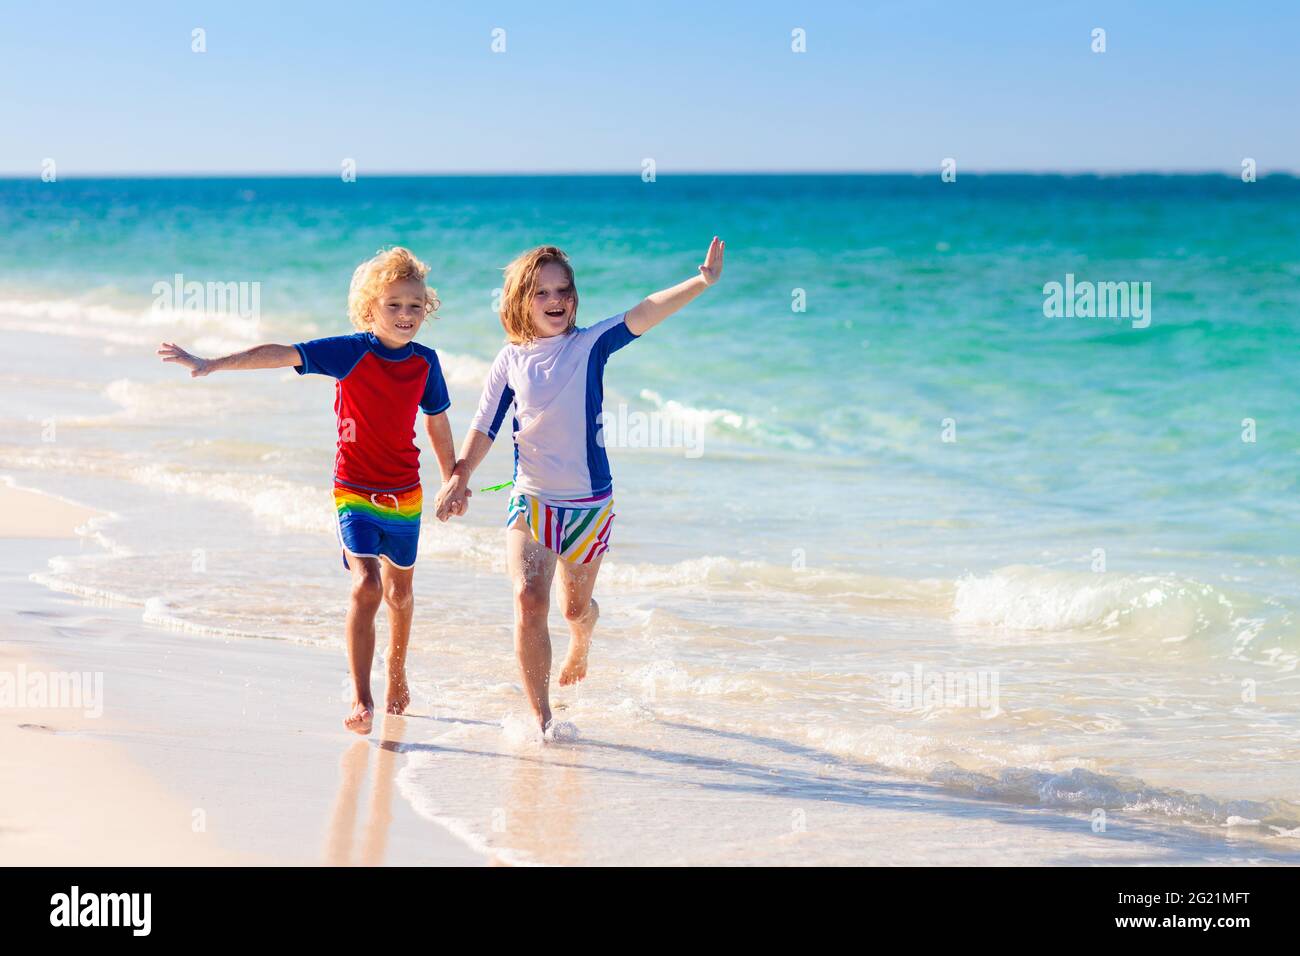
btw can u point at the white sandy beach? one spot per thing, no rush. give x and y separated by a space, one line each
31 514
72 796
206 753
68 793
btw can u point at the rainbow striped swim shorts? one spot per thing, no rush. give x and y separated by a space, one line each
578 534
379 524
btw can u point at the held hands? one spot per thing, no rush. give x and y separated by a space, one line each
711 271
198 367
453 498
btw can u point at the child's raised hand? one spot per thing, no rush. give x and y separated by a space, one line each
712 268
172 352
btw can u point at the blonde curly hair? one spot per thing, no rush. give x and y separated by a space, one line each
377 273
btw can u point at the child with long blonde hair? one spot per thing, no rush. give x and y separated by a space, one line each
561 511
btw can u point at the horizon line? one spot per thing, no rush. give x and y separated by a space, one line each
556 174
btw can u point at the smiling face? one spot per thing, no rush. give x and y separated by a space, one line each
398 312
554 303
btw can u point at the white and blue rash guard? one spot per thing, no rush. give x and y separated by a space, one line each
556 387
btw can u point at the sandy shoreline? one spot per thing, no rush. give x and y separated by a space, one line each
207 752
25 513
50 763
68 798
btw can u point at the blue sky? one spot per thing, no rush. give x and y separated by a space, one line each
415 87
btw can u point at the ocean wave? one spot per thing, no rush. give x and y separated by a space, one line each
1024 598
1089 791
670 677
287 504
464 371
155 402
309 508
1016 603
66 575
928 596
162 614
55 581
209 331
206 331
1026 776
726 422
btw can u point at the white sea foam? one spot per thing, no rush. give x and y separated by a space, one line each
464 371
161 614
666 676
562 731
1086 790
725 422
1162 607
1015 599
181 400
127 325
104 596
1023 774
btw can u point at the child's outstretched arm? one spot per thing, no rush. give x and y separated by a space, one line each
260 356
657 307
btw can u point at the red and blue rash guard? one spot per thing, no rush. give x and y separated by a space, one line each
377 394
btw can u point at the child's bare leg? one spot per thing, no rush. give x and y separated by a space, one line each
401 607
577 581
367 592
532 568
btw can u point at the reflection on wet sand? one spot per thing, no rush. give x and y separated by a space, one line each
539 814
379 812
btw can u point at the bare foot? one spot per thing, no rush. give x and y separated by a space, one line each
574 668
362 718
398 695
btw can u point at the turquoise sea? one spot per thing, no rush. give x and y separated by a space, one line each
902 464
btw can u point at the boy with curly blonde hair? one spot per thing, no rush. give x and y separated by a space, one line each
382 378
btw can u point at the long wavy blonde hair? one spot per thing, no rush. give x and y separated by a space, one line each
375 274
521 278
